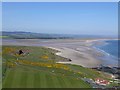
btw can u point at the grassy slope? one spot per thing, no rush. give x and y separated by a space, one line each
22 78
27 76
0 68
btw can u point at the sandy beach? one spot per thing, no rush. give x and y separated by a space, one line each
82 56
78 50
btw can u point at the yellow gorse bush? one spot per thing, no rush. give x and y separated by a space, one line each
8 50
10 64
16 54
45 57
79 73
57 65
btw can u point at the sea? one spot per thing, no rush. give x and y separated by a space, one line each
111 52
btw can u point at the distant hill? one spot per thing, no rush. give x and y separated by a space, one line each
31 35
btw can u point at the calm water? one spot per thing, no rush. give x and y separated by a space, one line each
110 50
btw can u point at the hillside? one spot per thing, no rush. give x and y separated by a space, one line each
30 35
38 68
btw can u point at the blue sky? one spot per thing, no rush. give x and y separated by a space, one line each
61 18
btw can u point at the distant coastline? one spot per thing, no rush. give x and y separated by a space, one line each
32 35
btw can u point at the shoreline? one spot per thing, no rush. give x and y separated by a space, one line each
83 56
97 60
108 58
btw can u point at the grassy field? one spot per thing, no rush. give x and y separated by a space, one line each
4 36
23 77
37 68
0 68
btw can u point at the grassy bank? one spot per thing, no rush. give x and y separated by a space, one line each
37 68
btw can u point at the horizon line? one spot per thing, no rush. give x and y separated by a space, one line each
60 33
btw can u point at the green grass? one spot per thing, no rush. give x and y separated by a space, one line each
22 78
0 69
89 73
27 76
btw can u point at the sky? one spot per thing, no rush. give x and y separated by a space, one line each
89 18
